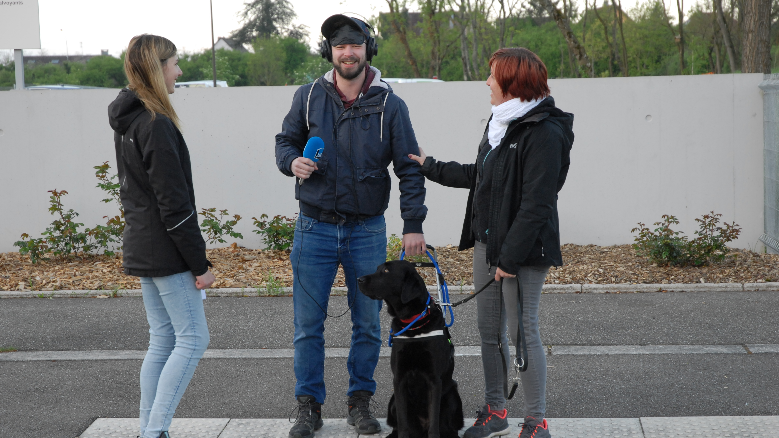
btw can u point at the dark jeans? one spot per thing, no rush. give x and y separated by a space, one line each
318 248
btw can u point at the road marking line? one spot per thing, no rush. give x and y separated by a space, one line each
460 351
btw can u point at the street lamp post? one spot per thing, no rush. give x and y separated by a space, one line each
213 45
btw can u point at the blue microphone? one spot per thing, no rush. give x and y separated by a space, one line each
314 149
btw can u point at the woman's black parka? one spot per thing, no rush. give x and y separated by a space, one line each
161 235
531 167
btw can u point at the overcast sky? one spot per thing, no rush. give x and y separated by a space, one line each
87 26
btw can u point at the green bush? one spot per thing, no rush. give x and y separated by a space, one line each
276 233
63 237
665 246
395 245
109 235
216 227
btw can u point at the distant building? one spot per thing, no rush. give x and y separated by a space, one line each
229 44
59 59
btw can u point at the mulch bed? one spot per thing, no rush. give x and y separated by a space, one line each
237 267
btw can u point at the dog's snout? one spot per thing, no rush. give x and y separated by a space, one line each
362 280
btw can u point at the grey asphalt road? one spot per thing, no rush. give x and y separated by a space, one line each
61 398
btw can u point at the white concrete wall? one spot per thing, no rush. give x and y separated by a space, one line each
681 145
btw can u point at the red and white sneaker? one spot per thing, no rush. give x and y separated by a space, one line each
533 428
489 424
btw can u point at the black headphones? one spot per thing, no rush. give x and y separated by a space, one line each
371 46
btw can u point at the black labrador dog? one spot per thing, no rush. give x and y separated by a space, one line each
425 403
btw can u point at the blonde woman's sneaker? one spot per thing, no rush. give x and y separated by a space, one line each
533 428
488 424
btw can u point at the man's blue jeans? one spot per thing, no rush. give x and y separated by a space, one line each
317 250
178 337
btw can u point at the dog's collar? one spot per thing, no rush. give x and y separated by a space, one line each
417 318
423 335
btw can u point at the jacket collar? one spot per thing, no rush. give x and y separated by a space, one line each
377 82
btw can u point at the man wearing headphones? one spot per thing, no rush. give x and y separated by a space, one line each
342 197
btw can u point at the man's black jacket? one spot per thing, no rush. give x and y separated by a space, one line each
161 236
360 143
530 170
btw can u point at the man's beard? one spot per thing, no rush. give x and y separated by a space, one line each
351 74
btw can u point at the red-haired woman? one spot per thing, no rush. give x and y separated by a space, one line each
511 222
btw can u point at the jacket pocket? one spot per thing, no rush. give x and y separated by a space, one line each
321 167
373 189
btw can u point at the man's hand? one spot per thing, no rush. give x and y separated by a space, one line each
419 158
500 274
414 244
205 281
303 167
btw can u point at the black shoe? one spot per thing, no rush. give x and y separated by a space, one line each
309 418
360 415
164 435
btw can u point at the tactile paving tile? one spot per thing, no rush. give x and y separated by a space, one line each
181 427
711 427
593 427
272 428
337 428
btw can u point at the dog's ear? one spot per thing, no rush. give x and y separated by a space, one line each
413 285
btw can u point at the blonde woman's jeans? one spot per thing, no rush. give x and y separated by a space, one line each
178 337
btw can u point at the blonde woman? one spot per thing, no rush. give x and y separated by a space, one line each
162 241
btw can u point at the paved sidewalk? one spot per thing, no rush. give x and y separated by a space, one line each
645 427
624 364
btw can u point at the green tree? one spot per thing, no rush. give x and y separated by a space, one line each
102 71
312 68
268 18
266 66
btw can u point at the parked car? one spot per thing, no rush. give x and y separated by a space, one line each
201 84
409 80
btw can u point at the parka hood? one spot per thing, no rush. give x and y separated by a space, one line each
546 109
123 110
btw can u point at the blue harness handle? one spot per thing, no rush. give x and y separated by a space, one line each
445 301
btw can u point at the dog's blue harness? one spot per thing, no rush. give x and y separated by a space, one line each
400 332
443 288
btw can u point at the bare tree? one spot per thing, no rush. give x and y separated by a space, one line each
678 37
756 55
585 65
471 17
399 26
431 10
507 8
619 18
608 42
725 33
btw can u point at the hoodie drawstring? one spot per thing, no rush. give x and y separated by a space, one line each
381 129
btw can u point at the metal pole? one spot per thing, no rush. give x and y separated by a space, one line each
213 45
19 64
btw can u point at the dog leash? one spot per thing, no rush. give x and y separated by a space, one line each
520 363
492 280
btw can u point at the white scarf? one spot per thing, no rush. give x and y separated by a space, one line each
506 113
